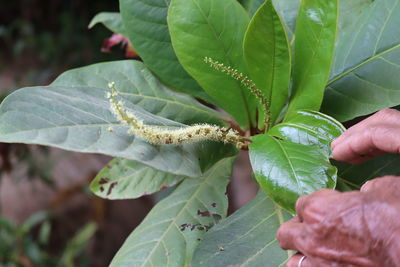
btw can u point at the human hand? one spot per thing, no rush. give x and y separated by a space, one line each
360 228
374 136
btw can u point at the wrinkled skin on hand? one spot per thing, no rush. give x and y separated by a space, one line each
347 229
375 136
360 228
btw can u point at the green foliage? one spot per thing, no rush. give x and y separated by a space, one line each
146 24
313 51
19 245
246 238
170 233
127 179
212 49
267 54
220 28
287 170
365 74
111 20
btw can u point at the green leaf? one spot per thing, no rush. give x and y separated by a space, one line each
313 51
146 27
366 70
79 119
165 238
251 6
349 11
247 237
77 244
111 20
356 175
127 179
287 170
267 54
214 29
310 128
288 10
139 86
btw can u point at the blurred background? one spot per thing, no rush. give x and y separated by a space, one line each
48 217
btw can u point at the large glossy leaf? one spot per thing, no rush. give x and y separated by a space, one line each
366 72
310 128
267 55
79 119
172 230
246 238
146 27
111 20
138 85
287 170
127 179
214 29
313 51
356 175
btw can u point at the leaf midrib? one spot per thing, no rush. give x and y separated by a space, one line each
376 56
173 221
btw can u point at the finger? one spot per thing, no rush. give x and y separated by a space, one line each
384 128
289 233
311 208
294 261
389 182
362 145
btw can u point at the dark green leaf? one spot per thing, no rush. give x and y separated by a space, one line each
111 20
310 128
314 44
146 27
267 54
246 238
127 179
366 69
79 119
287 170
138 85
169 234
356 175
214 29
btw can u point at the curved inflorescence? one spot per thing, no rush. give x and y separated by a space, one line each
243 79
166 135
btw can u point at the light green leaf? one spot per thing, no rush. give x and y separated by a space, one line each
313 51
127 179
356 175
349 11
111 20
247 237
267 55
139 86
165 237
310 128
214 29
146 27
366 69
287 170
79 119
